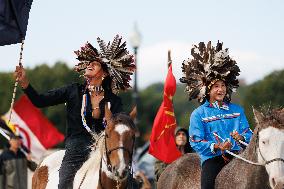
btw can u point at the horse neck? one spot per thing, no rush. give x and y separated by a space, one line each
250 152
257 175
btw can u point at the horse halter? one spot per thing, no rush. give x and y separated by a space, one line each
108 152
109 165
265 161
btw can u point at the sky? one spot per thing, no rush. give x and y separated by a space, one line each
252 30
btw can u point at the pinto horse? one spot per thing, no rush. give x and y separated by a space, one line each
265 152
109 164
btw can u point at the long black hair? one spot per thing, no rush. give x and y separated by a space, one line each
187 147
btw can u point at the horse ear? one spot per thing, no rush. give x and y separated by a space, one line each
258 116
108 114
133 113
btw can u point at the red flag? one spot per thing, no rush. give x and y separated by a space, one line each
162 140
37 131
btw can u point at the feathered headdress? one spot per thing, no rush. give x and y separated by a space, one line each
209 64
114 57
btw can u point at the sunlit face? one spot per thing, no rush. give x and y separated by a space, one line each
15 143
218 91
180 138
94 70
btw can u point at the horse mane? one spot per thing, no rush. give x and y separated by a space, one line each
274 118
99 145
249 152
271 118
96 154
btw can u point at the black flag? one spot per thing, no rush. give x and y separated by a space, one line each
4 126
14 15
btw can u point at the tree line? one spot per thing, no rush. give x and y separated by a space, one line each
263 93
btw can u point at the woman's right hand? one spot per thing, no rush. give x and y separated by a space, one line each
20 76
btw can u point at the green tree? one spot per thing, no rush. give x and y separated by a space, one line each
267 92
42 78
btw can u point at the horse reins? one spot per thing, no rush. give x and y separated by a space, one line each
265 161
109 166
108 163
108 152
270 161
251 162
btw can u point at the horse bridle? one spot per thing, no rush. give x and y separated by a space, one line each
108 152
108 163
265 161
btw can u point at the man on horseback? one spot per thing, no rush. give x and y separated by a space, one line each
106 72
217 125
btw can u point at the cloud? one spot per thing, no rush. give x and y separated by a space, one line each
152 62
254 66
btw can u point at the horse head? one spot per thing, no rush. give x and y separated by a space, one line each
119 142
270 144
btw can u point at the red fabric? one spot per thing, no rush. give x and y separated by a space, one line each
41 127
162 140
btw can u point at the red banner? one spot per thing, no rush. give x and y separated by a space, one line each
38 133
162 140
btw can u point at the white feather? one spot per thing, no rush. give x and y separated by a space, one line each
202 92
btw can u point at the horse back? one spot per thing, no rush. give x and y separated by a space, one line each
45 176
183 173
239 174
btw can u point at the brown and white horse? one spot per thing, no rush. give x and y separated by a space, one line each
109 164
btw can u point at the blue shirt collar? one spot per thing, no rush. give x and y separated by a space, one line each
216 105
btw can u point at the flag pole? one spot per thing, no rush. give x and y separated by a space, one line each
169 58
4 134
162 146
17 81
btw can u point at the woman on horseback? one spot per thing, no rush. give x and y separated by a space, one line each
106 72
217 125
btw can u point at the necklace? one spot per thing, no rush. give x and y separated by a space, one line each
95 89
